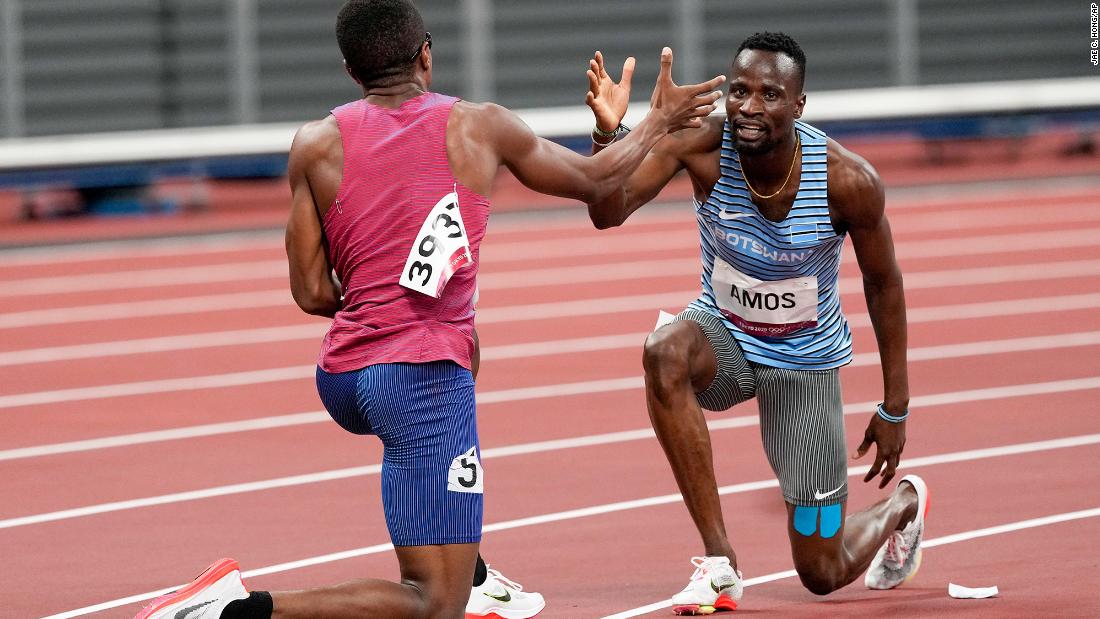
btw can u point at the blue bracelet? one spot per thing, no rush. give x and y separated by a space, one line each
892 418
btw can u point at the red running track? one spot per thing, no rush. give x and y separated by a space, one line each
160 413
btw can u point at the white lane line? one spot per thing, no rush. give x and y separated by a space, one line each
191 383
899 209
957 197
1011 527
194 341
281 298
283 334
998 243
263 240
526 278
158 436
277 268
630 340
674 498
588 307
930 353
143 248
531 312
848 285
546 249
1006 307
923 280
297 372
561 347
1077 213
990 347
156 307
973 395
145 278
264 270
257 240
669 212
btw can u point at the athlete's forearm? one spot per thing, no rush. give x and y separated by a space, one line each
607 213
886 307
312 282
614 209
614 165
553 169
321 300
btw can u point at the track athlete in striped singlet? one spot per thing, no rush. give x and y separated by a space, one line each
774 200
388 213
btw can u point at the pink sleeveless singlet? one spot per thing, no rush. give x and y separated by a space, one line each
395 172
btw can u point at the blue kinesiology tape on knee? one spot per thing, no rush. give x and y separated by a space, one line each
805 520
830 520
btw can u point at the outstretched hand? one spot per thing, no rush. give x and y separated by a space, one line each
608 98
682 107
889 439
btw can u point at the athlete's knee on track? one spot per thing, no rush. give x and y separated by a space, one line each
665 358
818 579
820 575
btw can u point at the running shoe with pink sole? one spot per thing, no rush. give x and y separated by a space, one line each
501 598
204 598
715 586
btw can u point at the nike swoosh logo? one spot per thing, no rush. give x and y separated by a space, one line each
718 589
507 597
732 216
183 613
824 495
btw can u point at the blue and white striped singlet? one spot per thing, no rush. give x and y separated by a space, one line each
774 284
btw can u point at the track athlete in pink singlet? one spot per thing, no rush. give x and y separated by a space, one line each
774 200
390 202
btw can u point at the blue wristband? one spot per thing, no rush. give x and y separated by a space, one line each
892 418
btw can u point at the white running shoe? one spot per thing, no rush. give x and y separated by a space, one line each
714 586
500 598
205 597
899 558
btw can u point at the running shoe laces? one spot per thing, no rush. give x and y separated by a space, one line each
714 586
502 598
897 550
507 582
706 566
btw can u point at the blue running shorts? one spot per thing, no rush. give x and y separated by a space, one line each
432 480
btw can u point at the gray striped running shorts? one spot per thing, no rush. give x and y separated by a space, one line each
801 416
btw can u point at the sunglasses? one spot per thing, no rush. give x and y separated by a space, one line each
428 40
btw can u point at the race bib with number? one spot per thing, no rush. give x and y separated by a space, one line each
764 308
440 249
465 474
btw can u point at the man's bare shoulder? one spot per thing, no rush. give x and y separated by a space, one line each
849 173
471 107
316 138
487 124
478 113
855 189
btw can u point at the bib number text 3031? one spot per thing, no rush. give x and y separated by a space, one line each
440 249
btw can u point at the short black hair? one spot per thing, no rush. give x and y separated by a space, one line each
781 43
378 38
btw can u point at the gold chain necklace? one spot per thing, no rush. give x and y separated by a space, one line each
794 157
